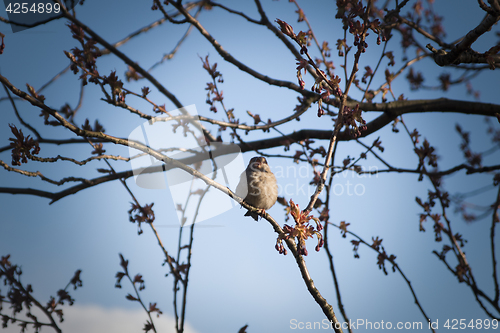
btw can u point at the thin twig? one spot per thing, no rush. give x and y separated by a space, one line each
393 262
494 220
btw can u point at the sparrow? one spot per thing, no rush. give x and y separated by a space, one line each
258 186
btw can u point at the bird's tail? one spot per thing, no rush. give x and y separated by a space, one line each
252 214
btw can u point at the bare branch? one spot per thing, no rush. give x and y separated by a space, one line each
129 62
494 221
462 53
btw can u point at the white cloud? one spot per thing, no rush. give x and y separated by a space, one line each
96 319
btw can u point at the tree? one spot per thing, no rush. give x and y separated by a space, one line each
366 112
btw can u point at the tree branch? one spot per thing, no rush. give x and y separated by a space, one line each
459 53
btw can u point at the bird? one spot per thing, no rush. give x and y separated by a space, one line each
258 186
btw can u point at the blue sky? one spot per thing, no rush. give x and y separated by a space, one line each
237 276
